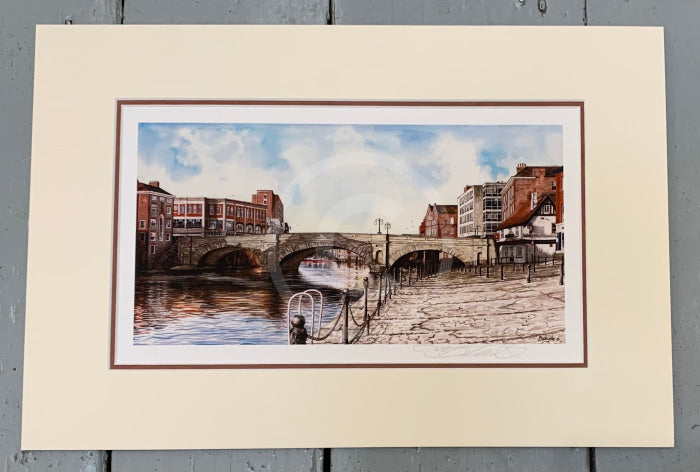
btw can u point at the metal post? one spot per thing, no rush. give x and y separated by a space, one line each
479 270
365 284
501 271
529 279
561 273
409 276
346 306
533 266
487 269
387 290
394 284
379 296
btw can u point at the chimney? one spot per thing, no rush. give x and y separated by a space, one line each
154 183
520 167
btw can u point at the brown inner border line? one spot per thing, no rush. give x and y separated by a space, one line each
405 103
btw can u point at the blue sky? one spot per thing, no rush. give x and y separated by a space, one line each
340 177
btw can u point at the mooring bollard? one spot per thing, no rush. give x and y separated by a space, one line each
365 284
501 271
298 334
346 309
561 273
528 275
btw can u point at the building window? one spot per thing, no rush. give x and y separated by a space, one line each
162 199
153 235
142 224
154 198
154 208
554 184
519 251
153 222
554 228
211 209
167 236
265 199
168 210
167 224
170 200
142 237
153 249
218 209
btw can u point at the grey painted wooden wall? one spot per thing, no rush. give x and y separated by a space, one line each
680 17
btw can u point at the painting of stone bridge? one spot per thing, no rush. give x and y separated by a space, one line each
284 252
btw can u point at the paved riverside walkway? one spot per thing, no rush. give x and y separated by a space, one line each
464 308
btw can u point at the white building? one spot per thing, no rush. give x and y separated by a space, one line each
479 210
530 232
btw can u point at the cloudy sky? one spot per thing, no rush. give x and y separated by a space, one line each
340 177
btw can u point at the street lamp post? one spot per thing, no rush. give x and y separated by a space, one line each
379 221
387 227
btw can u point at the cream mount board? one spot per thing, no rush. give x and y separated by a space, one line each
621 397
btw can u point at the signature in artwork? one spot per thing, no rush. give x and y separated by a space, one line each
497 352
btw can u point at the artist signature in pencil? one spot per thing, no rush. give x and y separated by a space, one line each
497 352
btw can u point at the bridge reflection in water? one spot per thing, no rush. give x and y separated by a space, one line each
233 306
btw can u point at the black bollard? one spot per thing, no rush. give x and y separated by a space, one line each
365 284
487 270
561 273
394 284
298 334
346 310
529 279
501 271
479 270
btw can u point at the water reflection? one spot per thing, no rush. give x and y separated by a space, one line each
236 306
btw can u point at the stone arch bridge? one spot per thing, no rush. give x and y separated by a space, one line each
284 252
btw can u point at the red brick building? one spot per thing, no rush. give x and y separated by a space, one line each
528 180
202 216
274 209
154 229
440 221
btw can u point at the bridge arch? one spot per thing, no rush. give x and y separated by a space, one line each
231 255
399 253
292 260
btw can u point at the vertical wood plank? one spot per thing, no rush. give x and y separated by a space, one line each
17 23
681 37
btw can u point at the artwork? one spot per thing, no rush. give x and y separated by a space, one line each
281 184
325 234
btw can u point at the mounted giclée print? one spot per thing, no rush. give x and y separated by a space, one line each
389 235
312 234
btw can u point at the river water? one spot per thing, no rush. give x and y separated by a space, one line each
234 306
